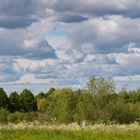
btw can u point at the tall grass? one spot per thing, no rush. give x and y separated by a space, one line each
36 131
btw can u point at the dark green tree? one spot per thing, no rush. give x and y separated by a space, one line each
40 95
3 99
27 100
14 102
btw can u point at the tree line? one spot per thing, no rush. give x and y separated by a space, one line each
98 103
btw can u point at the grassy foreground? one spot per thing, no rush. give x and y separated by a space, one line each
70 132
64 135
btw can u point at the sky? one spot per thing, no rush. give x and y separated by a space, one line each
61 43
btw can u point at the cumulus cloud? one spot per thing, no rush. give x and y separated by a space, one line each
21 13
110 66
100 38
104 35
10 70
26 43
44 70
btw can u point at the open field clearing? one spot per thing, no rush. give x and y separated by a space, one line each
36 131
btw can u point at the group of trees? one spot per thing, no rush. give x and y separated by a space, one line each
25 102
97 103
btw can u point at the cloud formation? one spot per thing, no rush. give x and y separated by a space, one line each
10 70
67 41
20 13
129 8
26 43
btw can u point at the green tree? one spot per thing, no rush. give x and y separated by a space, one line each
14 101
132 96
41 104
65 105
124 113
124 95
99 85
40 95
60 105
50 91
104 109
84 107
27 100
103 91
3 99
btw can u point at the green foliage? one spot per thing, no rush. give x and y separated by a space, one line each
40 95
98 103
3 116
60 105
84 107
99 85
27 101
18 117
3 99
65 105
51 90
41 104
14 101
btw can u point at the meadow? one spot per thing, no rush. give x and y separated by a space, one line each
37 131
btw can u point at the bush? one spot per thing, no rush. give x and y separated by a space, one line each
3 116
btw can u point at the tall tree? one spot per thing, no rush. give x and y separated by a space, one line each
28 102
99 85
14 101
3 99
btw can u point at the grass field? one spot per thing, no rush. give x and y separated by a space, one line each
70 132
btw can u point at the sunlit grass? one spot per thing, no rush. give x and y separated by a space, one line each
37 131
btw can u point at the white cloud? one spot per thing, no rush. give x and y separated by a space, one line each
65 41
10 70
28 43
